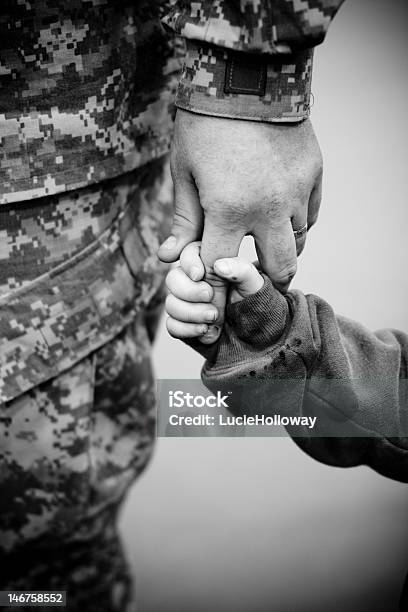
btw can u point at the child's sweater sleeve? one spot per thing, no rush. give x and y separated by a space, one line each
294 356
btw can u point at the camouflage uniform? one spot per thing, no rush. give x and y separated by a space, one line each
86 106
80 285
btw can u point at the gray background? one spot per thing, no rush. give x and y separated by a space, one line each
254 524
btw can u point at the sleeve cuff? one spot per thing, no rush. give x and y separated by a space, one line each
260 319
224 83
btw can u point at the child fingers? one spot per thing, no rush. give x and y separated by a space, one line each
190 261
188 312
181 330
180 285
241 273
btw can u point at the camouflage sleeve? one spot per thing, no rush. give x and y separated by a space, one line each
249 59
154 312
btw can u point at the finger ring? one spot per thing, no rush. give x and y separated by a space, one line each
300 232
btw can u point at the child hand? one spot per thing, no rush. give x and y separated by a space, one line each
189 302
244 277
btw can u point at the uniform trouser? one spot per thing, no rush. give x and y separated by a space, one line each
80 290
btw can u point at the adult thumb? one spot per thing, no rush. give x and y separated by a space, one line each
187 220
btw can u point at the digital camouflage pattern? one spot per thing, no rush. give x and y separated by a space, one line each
258 26
51 322
281 33
86 92
87 86
70 449
41 234
86 109
77 397
287 86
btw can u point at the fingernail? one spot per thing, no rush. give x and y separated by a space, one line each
210 315
205 295
195 273
212 331
170 243
223 267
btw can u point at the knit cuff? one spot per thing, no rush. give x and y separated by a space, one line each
224 83
260 319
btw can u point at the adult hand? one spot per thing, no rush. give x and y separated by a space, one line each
234 177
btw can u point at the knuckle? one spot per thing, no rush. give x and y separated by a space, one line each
185 313
169 303
225 210
171 279
188 317
276 208
204 286
170 327
194 315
